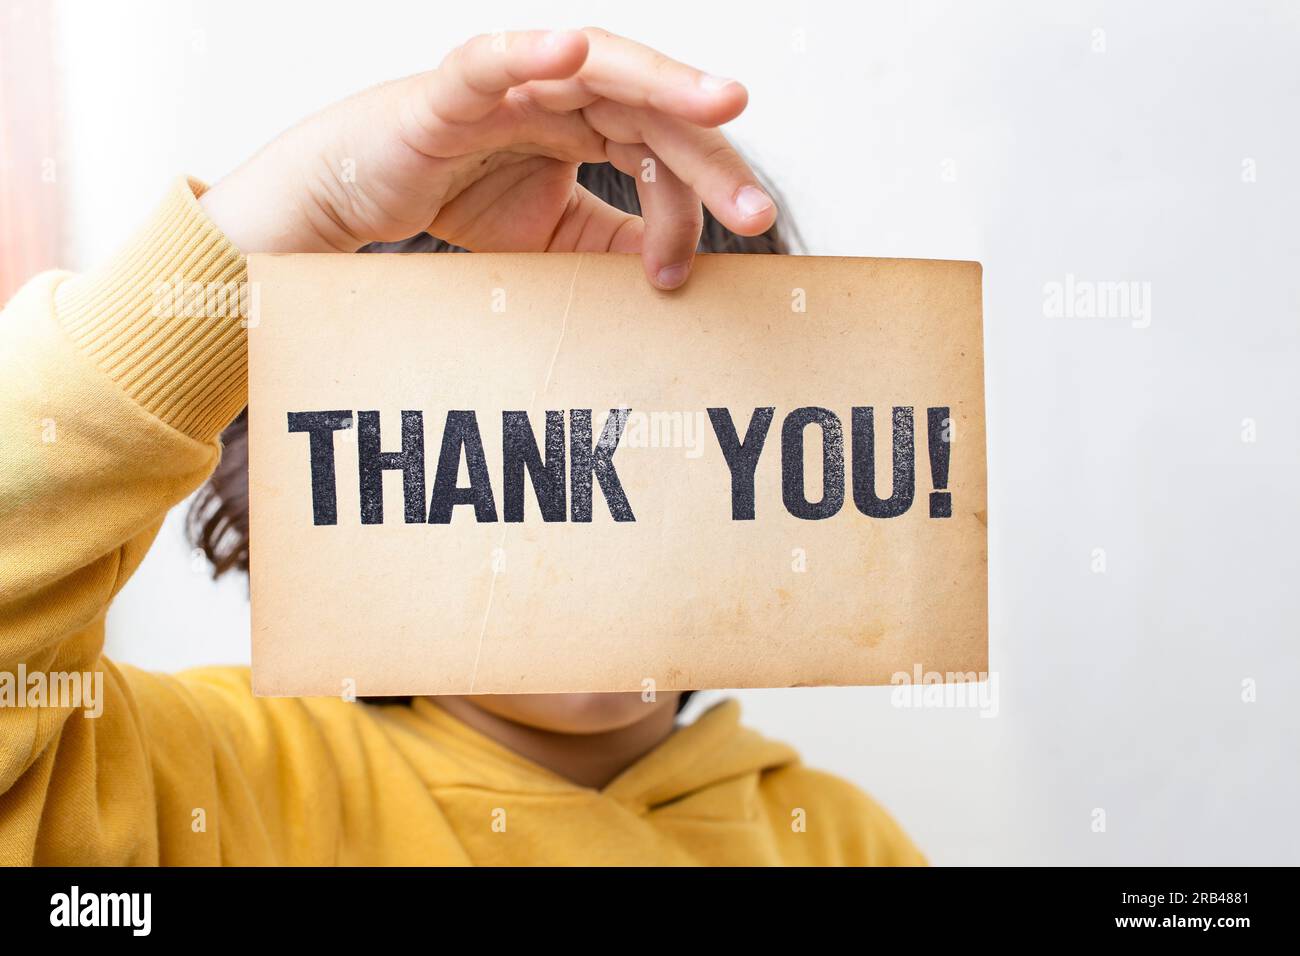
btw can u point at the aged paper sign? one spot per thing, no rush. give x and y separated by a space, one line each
536 473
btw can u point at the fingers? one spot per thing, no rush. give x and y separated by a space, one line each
583 96
474 77
700 158
517 125
671 212
623 70
626 72
590 224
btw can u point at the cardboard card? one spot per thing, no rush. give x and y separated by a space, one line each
536 473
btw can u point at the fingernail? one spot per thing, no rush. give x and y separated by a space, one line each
670 277
711 84
752 201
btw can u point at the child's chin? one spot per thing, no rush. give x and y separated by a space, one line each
573 713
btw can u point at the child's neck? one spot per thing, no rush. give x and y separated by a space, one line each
589 760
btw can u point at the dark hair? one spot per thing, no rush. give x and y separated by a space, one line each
217 523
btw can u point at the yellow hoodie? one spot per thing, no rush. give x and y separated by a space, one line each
109 416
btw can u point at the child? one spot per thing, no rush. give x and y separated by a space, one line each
484 153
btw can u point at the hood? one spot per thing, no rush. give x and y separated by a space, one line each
713 750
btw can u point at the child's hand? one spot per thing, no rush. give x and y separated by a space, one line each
483 152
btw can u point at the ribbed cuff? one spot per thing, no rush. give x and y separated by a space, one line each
165 317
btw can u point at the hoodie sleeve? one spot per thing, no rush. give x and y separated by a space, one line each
115 392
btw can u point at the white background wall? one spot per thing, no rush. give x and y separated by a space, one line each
1120 691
